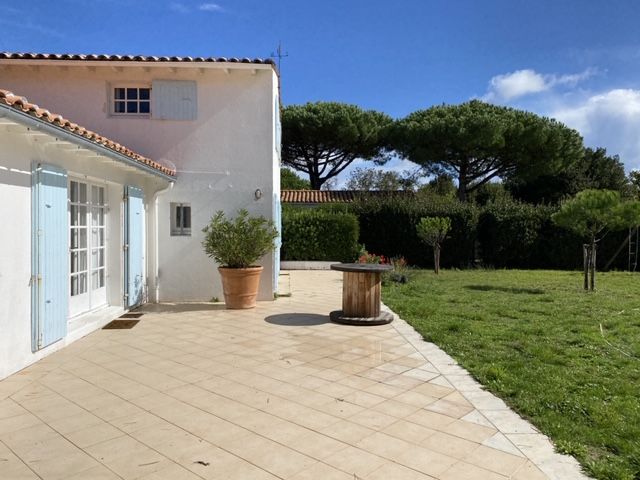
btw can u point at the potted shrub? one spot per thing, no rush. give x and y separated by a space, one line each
237 244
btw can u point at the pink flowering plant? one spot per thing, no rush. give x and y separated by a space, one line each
367 257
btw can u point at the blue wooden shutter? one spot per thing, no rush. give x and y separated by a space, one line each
50 256
134 237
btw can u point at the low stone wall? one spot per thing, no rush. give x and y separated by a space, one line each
305 265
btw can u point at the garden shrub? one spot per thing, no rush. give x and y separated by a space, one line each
501 234
319 234
388 227
521 235
508 232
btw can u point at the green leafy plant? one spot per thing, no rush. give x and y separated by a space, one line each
433 231
388 227
400 272
318 234
371 258
239 242
592 213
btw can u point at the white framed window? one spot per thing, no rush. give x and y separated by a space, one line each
131 100
180 219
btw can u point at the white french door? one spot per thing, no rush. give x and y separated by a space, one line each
87 230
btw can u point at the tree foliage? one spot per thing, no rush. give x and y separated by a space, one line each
475 142
290 181
433 231
322 139
634 184
591 213
595 170
441 185
376 179
239 242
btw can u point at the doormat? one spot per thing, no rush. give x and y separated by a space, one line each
120 325
131 315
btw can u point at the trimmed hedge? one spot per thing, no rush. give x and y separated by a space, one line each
503 234
319 234
520 235
508 233
388 227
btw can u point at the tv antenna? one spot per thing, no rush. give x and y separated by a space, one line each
279 54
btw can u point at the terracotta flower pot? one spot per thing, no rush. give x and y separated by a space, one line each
240 286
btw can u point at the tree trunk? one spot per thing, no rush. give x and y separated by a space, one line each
315 181
436 258
462 184
586 255
593 266
590 265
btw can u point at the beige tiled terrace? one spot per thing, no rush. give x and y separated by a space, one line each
195 391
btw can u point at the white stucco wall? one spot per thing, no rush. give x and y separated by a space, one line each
18 151
222 157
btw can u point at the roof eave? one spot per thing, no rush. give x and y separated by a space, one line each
54 130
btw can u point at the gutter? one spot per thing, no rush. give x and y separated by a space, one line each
54 130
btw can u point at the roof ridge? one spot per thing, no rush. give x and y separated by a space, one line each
100 57
22 104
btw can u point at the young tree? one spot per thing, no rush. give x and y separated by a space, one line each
290 181
433 231
475 142
322 139
376 179
590 214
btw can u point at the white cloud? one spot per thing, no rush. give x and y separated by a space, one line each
610 119
210 7
510 86
516 84
179 7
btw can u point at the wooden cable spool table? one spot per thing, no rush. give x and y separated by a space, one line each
361 294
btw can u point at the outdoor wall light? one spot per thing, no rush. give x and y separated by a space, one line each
257 194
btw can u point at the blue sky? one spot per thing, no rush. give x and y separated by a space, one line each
577 60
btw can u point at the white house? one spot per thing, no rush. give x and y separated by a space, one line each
93 228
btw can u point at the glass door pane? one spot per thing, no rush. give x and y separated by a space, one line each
98 246
78 248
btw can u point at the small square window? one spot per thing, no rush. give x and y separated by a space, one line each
131 101
180 219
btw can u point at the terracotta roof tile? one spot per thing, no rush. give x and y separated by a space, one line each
22 104
333 196
129 58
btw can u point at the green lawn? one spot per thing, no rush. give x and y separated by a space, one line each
534 339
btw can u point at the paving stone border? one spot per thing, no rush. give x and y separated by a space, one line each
515 435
